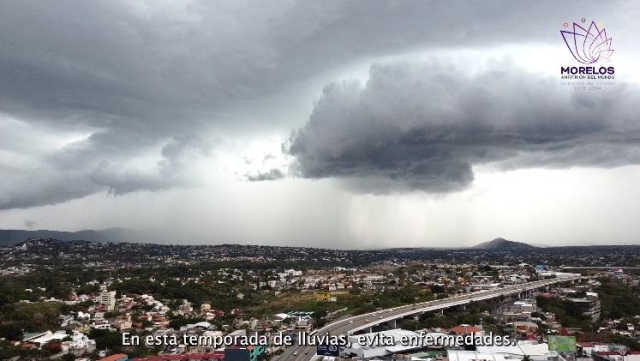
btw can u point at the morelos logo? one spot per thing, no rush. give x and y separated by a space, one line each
589 44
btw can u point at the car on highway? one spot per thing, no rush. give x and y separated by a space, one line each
350 321
295 353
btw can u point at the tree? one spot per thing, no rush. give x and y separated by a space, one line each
106 339
138 351
489 320
11 331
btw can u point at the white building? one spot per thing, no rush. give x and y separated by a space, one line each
521 307
108 299
535 352
385 343
186 307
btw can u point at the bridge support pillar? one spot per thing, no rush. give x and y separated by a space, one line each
370 330
393 324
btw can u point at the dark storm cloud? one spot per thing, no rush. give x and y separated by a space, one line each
75 173
423 126
121 64
136 74
35 187
272 174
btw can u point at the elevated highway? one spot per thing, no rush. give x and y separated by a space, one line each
369 320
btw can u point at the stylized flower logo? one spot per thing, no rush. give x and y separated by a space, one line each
588 45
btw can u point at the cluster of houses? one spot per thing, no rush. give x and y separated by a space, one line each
112 311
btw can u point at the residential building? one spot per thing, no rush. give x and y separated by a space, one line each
108 299
588 306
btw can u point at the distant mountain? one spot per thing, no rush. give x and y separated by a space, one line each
501 244
15 236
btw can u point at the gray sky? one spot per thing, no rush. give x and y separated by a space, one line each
336 123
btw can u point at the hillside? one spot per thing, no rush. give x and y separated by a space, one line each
501 244
14 236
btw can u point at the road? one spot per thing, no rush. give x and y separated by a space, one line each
600 267
364 321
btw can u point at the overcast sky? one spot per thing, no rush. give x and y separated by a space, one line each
343 124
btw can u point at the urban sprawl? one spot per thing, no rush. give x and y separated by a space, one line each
80 300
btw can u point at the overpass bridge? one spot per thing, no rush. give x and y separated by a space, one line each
369 320
521 290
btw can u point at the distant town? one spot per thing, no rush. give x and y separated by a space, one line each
82 300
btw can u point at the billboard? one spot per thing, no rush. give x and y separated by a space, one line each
328 350
562 343
323 297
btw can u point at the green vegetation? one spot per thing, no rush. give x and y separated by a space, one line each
617 299
106 339
31 317
472 315
567 313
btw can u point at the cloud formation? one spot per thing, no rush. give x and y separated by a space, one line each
424 126
272 174
133 76
82 169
